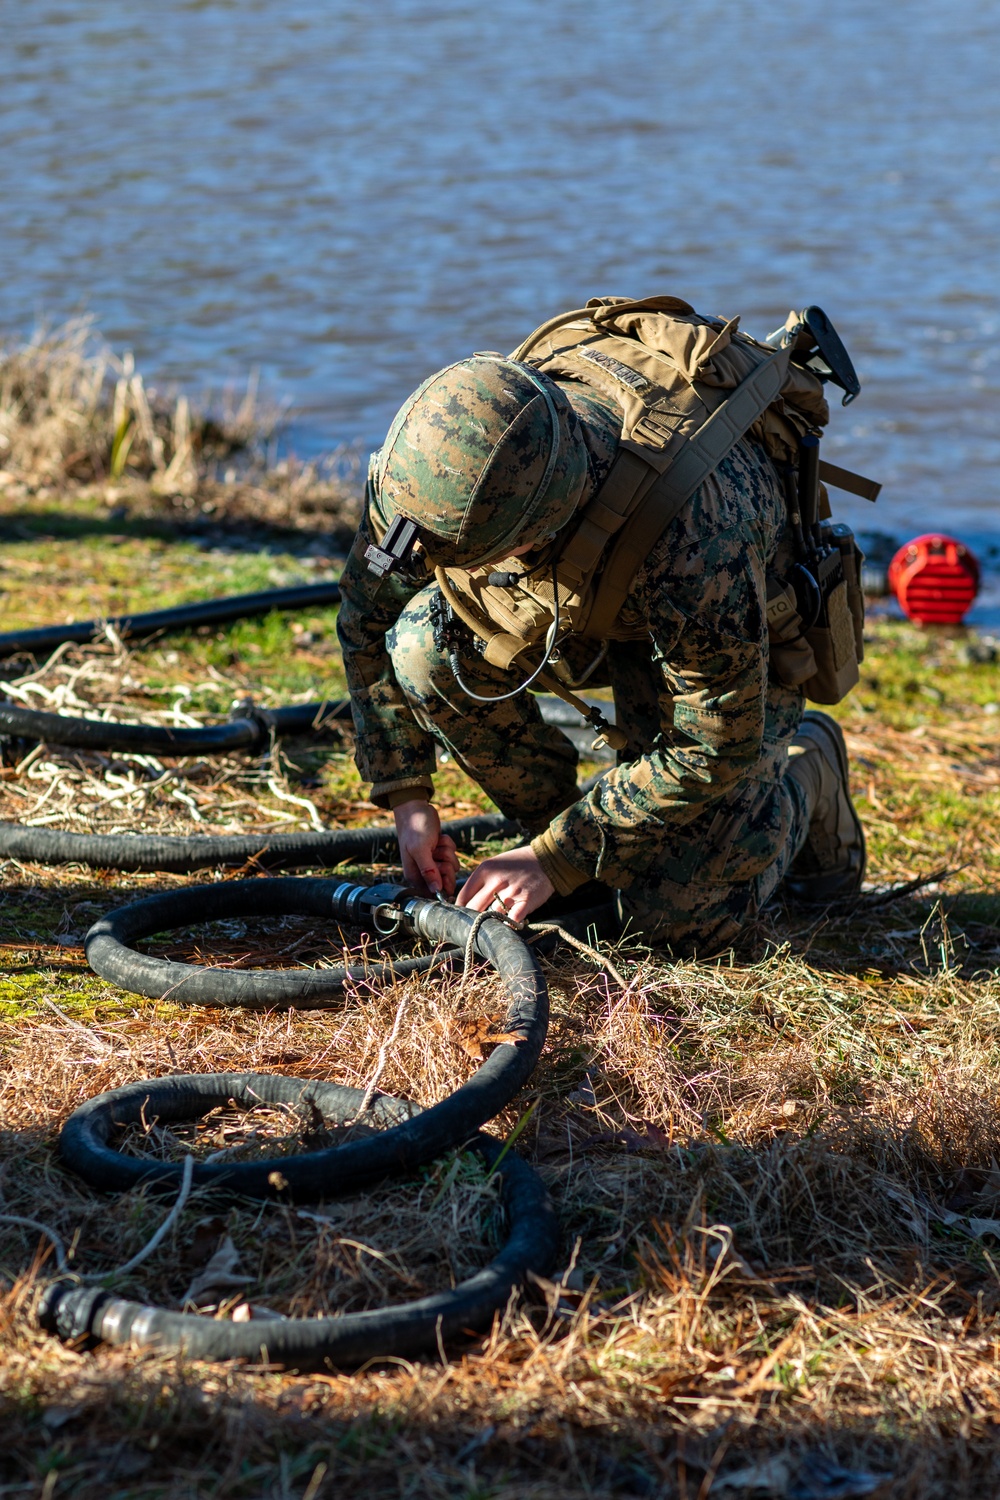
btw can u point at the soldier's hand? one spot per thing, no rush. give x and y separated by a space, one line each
515 881
430 860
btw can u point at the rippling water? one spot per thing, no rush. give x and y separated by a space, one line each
349 195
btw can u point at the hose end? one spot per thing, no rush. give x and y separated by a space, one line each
70 1311
607 733
419 916
360 903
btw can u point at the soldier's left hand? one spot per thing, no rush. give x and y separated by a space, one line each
514 883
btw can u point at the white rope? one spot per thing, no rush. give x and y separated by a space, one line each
383 1057
49 1234
187 1174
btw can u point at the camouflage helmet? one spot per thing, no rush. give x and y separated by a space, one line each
485 456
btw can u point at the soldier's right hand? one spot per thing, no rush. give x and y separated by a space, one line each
430 860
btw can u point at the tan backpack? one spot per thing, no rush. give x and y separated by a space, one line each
689 389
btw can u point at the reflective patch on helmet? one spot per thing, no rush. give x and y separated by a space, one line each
614 367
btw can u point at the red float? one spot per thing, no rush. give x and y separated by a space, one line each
935 578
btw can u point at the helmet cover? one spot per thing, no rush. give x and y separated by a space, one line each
486 455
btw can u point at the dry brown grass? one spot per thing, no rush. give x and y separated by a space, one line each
772 1181
71 409
76 416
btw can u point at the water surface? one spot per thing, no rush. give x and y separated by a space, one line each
347 196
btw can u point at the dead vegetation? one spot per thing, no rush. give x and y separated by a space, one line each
778 1190
70 409
76 416
106 792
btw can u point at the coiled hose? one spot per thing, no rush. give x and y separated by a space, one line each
413 1136
348 1167
76 1312
110 954
342 1168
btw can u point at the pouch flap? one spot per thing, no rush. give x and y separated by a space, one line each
689 342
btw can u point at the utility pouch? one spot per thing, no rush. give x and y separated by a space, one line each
792 658
853 558
836 638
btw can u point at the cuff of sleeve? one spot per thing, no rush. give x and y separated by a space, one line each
390 794
557 867
407 794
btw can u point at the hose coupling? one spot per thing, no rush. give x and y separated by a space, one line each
248 711
71 1311
362 904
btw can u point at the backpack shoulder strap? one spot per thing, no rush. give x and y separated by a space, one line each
668 489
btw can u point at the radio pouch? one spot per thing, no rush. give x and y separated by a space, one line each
823 659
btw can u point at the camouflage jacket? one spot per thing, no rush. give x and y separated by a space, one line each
702 595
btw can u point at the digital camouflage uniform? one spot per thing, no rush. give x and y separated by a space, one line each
697 824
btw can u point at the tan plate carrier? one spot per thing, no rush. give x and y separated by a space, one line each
689 389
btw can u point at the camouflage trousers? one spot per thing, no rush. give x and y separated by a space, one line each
708 877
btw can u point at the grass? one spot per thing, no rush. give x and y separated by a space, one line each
776 1173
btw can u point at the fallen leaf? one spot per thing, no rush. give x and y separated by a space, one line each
816 1478
327 1215
819 1478
979 1227
584 1095
649 1138
473 1033
55 1417
255 1312
220 1276
973 1227
770 1474
205 1240
988 1197
562 1295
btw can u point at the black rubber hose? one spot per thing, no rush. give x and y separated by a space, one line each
339 1169
182 617
248 732
175 855
110 952
76 1313
245 733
